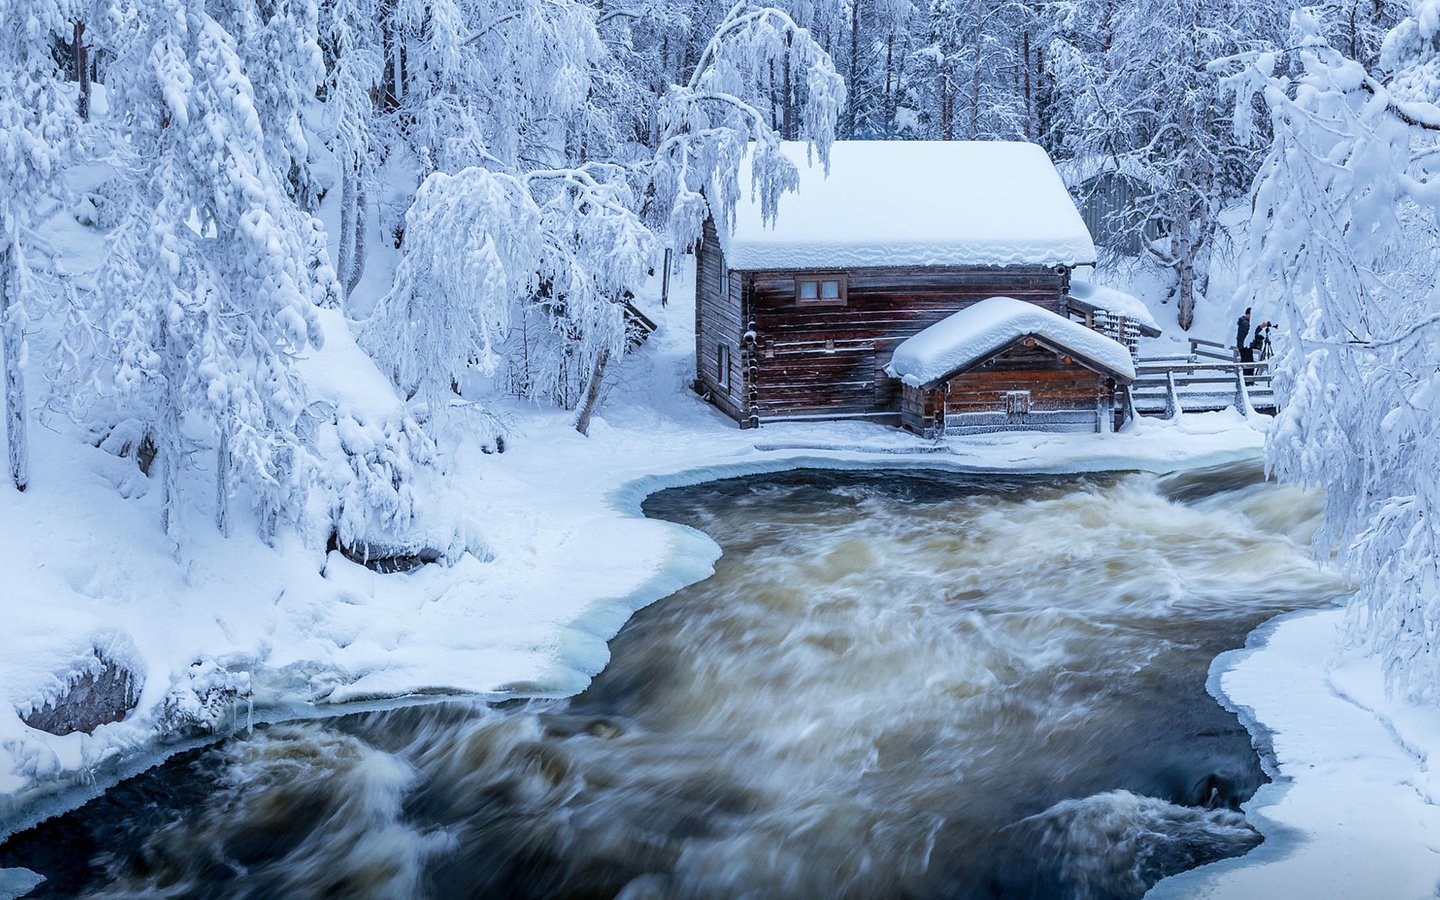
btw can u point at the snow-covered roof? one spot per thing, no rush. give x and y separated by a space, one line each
1117 302
977 332
914 203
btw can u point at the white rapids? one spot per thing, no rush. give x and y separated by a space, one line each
912 684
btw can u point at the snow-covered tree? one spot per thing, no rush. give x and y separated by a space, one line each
523 239
37 120
711 121
1345 230
1133 88
278 48
352 35
212 281
971 70
473 242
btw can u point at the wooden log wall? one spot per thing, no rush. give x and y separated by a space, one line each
828 360
718 322
917 410
1062 395
1052 383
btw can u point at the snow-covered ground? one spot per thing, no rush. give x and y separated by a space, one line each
560 556
1353 809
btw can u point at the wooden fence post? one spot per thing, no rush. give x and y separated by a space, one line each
1242 393
1127 407
1173 409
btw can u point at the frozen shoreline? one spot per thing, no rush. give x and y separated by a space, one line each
1352 809
568 557
636 561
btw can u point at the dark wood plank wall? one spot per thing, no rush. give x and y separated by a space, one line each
717 321
819 360
1053 384
985 391
917 410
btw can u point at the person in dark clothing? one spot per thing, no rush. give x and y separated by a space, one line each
1242 328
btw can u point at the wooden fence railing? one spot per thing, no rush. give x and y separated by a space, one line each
1171 385
1213 350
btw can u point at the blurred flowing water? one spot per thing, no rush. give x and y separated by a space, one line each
895 684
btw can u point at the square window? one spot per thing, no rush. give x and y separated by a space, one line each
821 290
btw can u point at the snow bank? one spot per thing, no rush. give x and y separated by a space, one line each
975 332
1354 809
1117 302
569 558
914 203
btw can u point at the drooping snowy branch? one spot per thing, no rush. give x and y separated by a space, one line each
710 122
1345 229
473 243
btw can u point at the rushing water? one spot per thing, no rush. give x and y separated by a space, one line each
925 685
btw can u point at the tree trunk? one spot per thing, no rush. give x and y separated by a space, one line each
665 278
788 119
357 258
974 105
853 103
351 263
1029 89
346 250
592 393
82 69
891 89
168 441
13 326
222 480
1182 253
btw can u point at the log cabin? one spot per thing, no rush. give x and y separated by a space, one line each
799 318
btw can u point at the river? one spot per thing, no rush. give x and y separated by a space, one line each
913 684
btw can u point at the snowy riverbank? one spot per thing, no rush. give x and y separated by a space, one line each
239 631
1352 810
564 557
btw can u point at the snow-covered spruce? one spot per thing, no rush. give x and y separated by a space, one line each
1345 231
38 119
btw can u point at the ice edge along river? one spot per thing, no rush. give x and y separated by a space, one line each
690 557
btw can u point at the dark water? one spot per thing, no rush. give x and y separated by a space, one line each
923 685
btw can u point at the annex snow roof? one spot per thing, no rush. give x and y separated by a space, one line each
1115 301
978 331
914 203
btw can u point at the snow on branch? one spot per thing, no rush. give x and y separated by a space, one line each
1345 232
708 124
472 244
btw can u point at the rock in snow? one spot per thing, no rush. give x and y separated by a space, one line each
105 691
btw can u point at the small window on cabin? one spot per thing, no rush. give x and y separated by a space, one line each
821 290
1017 403
722 364
724 280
